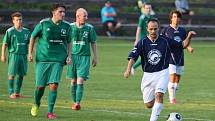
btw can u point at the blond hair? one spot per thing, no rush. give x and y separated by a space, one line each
80 11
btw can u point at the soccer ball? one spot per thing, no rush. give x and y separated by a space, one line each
174 117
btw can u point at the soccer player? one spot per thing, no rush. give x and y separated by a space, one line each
53 51
16 40
83 35
176 64
141 31
155 52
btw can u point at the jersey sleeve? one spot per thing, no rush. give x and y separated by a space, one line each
113 10
92 35
135 52
37 31
184 34
69 39
29 36
140 23
6 38
103 11
174 44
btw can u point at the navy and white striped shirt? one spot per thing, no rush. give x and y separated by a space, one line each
154 55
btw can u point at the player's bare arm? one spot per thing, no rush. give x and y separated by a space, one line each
186 42
190 49
30 49
94 48
3 57
127 72
69 58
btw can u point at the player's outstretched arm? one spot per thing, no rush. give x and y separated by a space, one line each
3 57
30 49
127 72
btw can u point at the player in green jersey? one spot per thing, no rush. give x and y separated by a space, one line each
53 51
83 34
16 40
142 30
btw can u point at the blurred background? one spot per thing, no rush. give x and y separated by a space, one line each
203 21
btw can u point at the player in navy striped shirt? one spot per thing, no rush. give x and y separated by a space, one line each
155 52
176 64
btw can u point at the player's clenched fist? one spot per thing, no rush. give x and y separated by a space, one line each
127 73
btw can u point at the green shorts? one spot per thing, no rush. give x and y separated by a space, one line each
17 64
79 68
48 72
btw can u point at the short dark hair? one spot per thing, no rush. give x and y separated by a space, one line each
16 14
107 1
179 15
153 20
55 6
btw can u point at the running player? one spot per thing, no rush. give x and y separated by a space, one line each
155 52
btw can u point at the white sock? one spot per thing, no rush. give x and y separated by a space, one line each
156 111
175 88
171 90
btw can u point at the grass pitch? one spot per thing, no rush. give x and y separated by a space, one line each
110 97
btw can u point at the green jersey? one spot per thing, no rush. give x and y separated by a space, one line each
17 41
52 42
81 38
143 25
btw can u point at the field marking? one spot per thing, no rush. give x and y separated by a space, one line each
107 111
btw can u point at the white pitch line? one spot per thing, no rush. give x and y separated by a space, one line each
109 111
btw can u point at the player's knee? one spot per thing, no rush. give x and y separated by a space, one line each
159 97
149 105
110 25
40 88
73 82
20 77
53 86
11 77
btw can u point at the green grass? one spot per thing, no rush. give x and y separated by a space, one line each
110 97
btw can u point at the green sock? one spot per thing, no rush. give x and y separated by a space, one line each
51 100
18 84
73 92
79 92
10 86
137 63
38 95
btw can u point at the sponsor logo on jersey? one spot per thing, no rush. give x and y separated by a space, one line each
154 57
79 42
56 41
177 38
